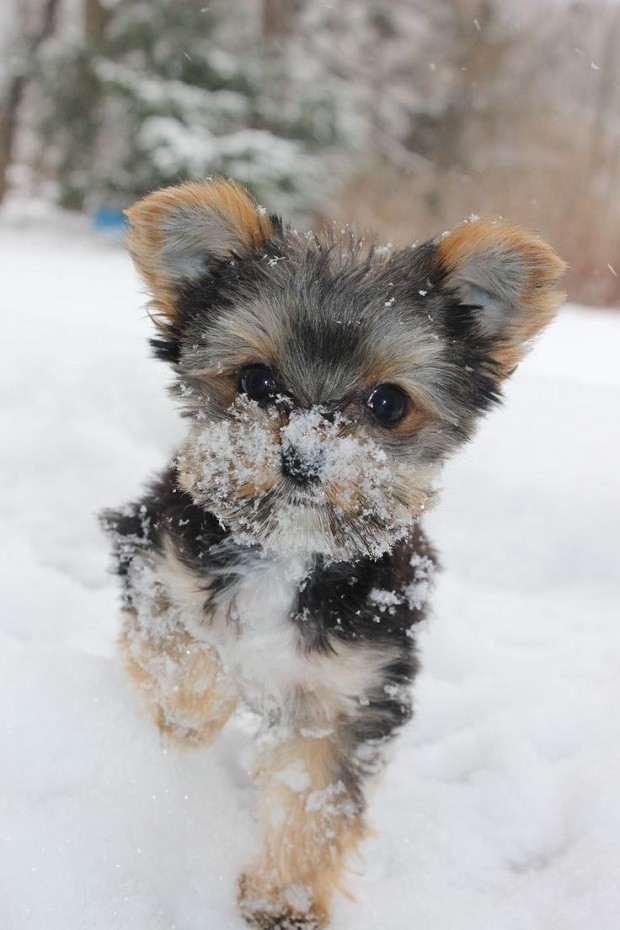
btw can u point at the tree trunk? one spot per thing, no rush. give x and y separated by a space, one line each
16 86
276 18
95 19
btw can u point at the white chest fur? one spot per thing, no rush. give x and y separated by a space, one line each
264 649
258 641
251 624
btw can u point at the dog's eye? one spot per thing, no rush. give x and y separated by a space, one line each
257 381
388 403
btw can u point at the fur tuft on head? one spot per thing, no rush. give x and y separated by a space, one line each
508 275
176 234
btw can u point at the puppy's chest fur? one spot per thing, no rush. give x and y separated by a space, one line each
282 624
249 620
267 637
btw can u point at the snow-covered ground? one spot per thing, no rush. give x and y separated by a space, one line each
501 810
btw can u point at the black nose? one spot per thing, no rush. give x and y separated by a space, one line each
302 469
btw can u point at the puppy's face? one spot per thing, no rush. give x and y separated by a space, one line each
326 379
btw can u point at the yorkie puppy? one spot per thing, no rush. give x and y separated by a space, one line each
279 561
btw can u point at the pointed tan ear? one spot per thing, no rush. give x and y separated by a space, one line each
176 233
510 275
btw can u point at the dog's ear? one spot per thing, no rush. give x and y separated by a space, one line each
176 234
506 277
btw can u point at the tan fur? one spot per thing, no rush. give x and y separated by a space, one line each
345 496
310 825
221 389
539 298
414 419
231 204
260 483
221 386
263 349
193 709
404 363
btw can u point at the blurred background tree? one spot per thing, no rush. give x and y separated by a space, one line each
404 116
23 31
149 95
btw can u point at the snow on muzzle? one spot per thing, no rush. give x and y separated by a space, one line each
313 475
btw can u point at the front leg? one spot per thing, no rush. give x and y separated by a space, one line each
162 548
187 690
312 788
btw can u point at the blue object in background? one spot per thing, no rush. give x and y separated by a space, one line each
110 222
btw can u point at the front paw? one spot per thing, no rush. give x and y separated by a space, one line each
182 732
266 907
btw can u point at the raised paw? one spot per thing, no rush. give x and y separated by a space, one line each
180 732
189 695
266 907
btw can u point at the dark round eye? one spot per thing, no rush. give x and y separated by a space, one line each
257 381
388 403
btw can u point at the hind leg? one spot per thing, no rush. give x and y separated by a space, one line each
186 688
